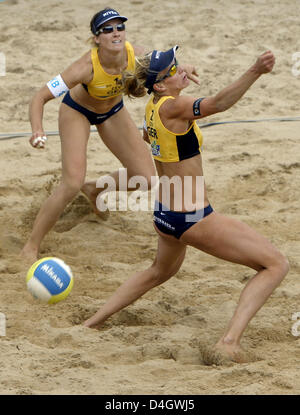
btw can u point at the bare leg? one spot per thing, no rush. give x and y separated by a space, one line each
170 255
121 136
91 191
234 241
74 133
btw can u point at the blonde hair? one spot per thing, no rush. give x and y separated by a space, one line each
91 41
134 82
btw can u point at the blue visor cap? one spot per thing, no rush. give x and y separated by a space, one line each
159 62
104 17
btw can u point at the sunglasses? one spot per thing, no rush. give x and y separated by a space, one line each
109 29
171 72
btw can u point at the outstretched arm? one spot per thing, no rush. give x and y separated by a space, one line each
189 108
231 94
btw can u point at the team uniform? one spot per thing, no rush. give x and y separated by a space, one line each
169 147
103 86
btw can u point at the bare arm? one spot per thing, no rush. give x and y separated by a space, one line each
79 71
231 94
36 110
184 107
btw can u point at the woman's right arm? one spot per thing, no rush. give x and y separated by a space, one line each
36 109
80 71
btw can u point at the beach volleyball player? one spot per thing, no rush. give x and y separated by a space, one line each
93 96
176 142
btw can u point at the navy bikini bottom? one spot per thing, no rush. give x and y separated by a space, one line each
93 117
176 223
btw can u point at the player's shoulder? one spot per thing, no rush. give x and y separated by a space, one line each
174 106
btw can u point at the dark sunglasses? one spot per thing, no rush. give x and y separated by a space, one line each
109 29
171 72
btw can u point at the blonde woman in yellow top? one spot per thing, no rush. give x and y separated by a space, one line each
93 96
184 218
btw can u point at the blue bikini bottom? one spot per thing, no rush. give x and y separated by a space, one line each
93 117
176 223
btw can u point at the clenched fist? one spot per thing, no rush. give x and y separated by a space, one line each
265 62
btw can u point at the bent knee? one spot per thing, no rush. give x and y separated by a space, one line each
280 265
145 176
72 186
283 264
145 181
160 275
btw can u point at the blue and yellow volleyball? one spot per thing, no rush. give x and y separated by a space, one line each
50 280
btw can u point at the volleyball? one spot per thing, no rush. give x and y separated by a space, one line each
50 280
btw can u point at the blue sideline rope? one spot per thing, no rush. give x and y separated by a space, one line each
7 136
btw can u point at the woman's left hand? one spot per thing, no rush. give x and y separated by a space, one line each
265 62
191 72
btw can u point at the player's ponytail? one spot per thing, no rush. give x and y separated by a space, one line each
134 82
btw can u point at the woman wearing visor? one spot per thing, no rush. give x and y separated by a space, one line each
93 96
186 216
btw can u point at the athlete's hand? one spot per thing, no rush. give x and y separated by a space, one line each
191 72
265 63
38 139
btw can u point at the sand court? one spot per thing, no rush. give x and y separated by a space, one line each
161 344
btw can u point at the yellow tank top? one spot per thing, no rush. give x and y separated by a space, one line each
103 84
168 146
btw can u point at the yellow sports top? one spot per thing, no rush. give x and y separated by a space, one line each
168 146
103 84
